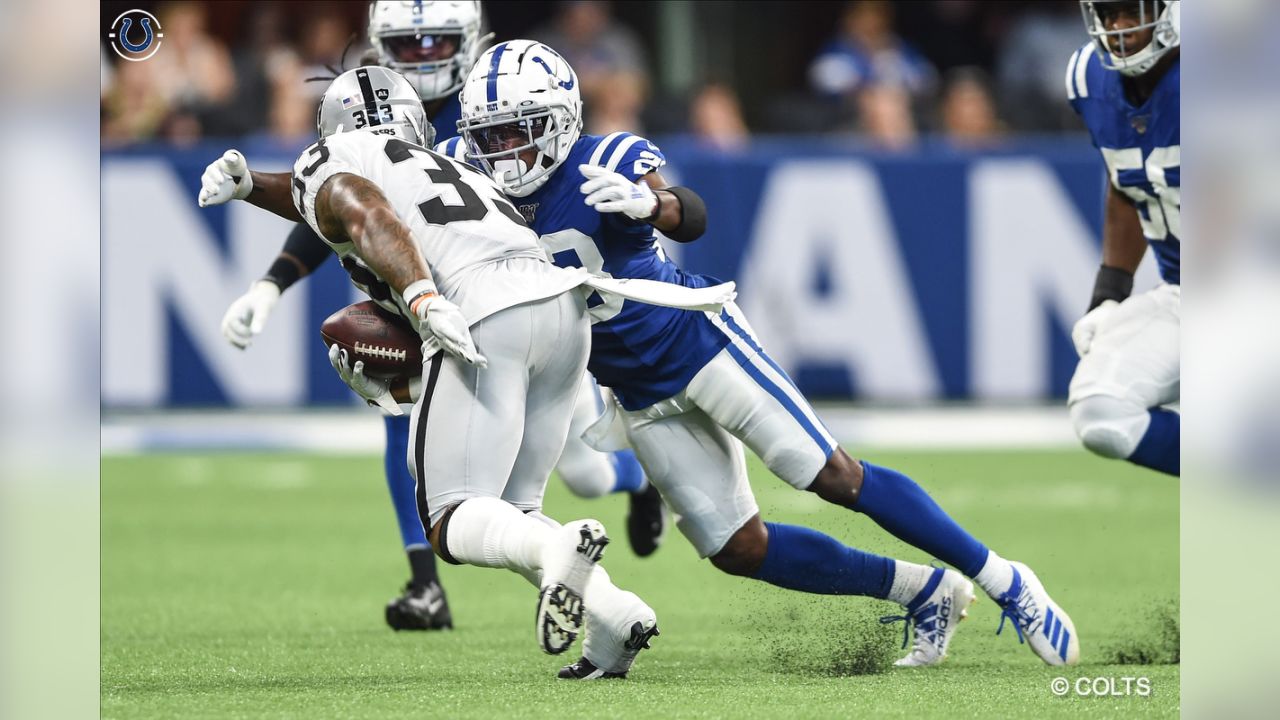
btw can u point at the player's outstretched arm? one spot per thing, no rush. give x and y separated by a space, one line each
682 216
350 207
271 192
677 211
229 178
247 315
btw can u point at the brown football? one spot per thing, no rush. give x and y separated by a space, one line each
386 342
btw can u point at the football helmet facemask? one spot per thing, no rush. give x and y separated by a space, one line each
1161 17
433 44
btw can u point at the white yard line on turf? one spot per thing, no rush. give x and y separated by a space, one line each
360 431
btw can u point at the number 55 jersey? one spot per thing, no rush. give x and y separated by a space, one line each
1140 145
483 257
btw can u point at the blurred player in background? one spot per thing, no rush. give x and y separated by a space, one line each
434 45
1125 85
691 387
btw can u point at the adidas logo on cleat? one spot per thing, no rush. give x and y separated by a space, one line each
944 614
640 637
591 546
584 669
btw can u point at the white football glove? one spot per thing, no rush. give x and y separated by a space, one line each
607 191
442 320
247 314
376 392
226 179
1086 328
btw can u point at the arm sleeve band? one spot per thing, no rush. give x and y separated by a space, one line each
693 215
1112 284
302 253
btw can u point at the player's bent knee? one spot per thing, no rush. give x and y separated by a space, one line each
840 480
744 552
1109 426
588 482
439 535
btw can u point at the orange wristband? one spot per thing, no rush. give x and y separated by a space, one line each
419 299
419 292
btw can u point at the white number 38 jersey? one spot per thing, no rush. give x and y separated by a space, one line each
461 223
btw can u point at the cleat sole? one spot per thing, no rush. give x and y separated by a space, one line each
559 618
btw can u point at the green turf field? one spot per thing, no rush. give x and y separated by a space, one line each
253 585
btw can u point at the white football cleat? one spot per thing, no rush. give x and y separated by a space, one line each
637 639
566 565
934 614
1038 619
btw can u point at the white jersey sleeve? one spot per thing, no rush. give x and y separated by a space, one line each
313 169
458 219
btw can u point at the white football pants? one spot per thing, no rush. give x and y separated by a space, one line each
588 472
1134 364
498 432
690 445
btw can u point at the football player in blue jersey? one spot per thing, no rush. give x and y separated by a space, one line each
433 44
689 389
1125 85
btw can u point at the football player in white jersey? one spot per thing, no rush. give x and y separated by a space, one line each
434 45
1124 84
443 248
692 388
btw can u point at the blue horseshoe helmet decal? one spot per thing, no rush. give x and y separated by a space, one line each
545 66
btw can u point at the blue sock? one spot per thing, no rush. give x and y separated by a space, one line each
400 482
897 504
806 560
627 474
1160 447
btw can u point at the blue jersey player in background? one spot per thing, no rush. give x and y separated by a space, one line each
1124 84
433 44
691 388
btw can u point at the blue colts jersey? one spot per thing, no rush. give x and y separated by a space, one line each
446 119
644 353
1141 146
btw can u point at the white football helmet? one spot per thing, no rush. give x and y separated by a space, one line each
520 97
373 97
431 43
1163 17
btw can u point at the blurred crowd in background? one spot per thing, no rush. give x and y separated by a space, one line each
887 74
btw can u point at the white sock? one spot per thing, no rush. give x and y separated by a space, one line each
489 532
996 575
908 580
